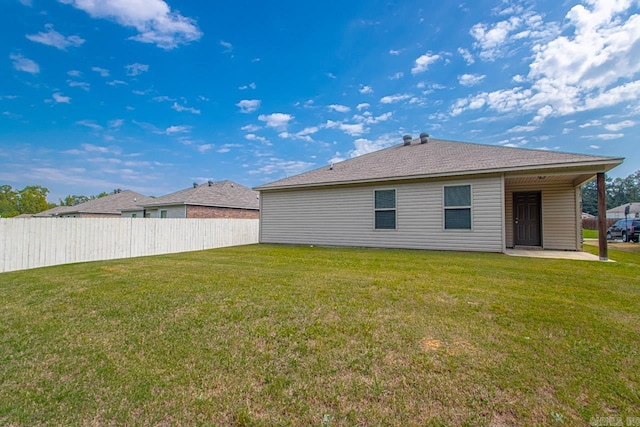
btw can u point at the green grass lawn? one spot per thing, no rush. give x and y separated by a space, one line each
589 234
279 335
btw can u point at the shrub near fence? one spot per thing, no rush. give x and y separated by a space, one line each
37 242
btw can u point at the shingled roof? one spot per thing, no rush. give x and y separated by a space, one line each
226 194
111 204
437 158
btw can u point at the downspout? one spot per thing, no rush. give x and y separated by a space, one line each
260 218
578 196
503 206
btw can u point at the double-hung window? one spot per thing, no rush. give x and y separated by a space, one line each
457 207
385 209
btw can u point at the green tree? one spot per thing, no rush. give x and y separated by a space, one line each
618 192
73 199
8 201
33 199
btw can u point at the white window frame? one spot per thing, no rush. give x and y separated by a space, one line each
161 212
445 208
395 209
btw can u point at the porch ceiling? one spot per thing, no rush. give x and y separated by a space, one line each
576 179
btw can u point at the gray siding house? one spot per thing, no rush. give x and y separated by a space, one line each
435 194
222 199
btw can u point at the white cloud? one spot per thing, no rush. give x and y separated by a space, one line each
177 129
55 39
331 75
396 76
163 98
154 20
339 108
470 79
228 46
90 124
179 107
251 128
61 99
276 120
136 69
615 127
592 65
369 119
74 73
591 123
117 83
254 137
81 85
466 55
365 89
395 52
423 62
102 71
493 40
251 85
594 147
91 148
303 134
281 167
365 146
355 129
248 105
604 136
522 129
116 123
390 99
363 106
27 65
204 147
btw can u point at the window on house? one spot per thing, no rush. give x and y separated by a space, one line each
385 209
163 214
134 215
457 207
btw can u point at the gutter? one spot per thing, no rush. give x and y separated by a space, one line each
613 162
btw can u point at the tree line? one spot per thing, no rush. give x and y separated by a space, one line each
32 199
618 192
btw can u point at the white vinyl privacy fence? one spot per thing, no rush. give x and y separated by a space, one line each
37 242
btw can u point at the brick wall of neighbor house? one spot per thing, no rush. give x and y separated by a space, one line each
213 212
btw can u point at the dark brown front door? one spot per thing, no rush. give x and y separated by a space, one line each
526 219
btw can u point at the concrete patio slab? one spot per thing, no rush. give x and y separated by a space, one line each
541 253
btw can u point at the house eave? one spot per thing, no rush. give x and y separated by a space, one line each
163 205
598 166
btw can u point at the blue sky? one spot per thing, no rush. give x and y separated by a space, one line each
152 95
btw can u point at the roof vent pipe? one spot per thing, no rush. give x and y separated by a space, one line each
210 183
195 185
424 138
407 139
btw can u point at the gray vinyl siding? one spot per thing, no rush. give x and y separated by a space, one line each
178 211
344 216
560 226
129 214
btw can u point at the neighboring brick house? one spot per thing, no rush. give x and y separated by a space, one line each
109 206
224 199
